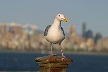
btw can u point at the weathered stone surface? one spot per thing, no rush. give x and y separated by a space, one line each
53 63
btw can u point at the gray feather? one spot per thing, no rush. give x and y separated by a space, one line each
46 30
63 31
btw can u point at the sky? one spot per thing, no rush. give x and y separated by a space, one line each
43 12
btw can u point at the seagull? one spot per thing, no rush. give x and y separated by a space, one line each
54 33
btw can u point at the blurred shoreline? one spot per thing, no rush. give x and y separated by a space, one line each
56 52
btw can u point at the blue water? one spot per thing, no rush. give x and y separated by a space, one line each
26 61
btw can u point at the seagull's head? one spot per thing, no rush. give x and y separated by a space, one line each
61 17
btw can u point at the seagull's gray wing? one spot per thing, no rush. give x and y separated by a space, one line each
46 30
63 31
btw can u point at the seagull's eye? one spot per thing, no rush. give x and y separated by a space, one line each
59 15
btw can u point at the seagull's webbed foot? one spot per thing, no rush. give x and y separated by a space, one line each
51 54
63 56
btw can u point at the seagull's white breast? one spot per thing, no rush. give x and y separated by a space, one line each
55 35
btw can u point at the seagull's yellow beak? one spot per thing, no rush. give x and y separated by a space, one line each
65 19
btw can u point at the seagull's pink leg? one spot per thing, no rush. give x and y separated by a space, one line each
51 53
62 52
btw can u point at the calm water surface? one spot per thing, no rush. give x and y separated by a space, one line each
26 61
